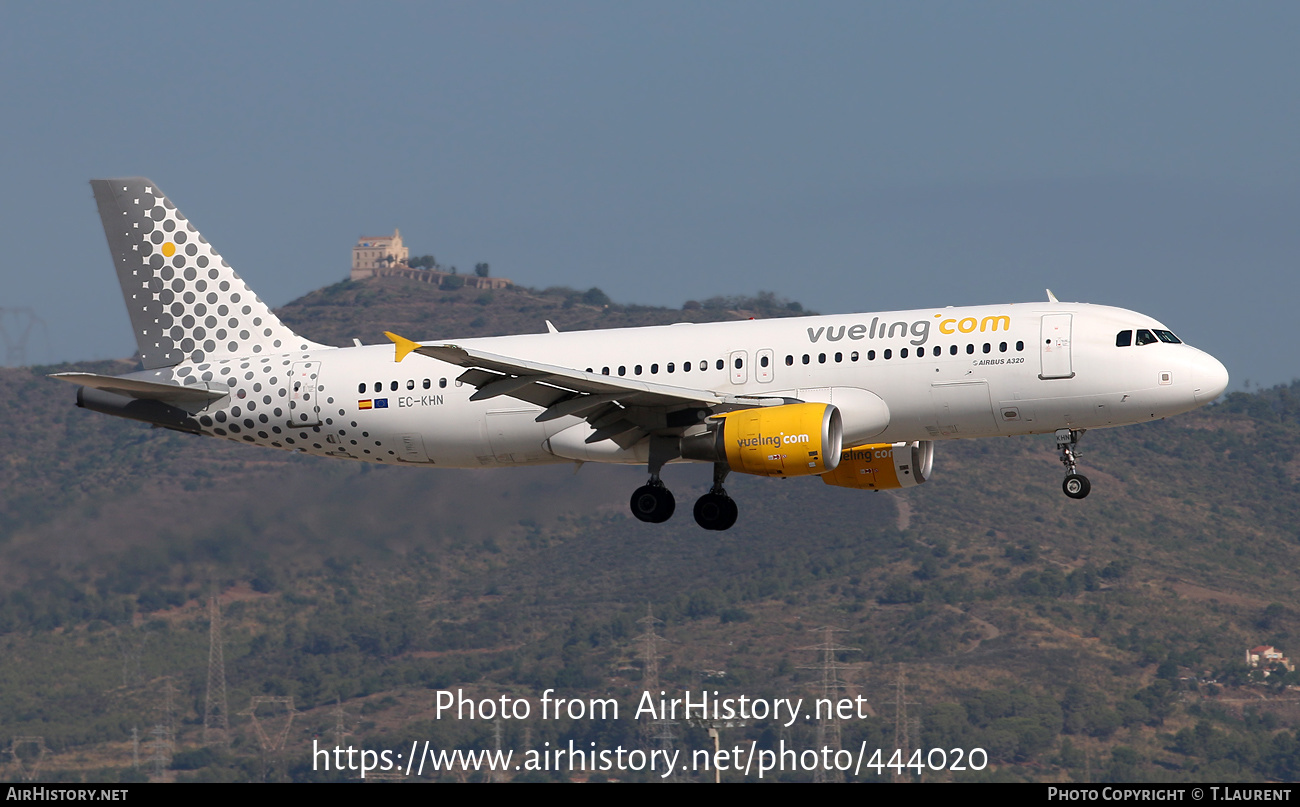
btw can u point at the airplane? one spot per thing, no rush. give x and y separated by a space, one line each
858 400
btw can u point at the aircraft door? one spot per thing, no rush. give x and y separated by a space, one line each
1054 346
763 370
737 362
304 409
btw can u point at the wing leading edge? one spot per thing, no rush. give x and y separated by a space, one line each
624 410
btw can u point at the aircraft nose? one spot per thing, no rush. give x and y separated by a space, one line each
1210 378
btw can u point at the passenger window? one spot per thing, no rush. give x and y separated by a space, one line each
839 357
1145 337
1123 339
789 361
671 367
410 383
739 363
721 364
902 354
704 365
392 385
1019 346
970 349
686 367
762 362
920 352
1002 347
853 356
654 369
427 383
821 358
871 355
379 386
622 369
953 350
637 369
604 371
987 347
361 387
806 358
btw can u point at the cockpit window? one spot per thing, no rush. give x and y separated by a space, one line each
1145 337
1168 337
1123 339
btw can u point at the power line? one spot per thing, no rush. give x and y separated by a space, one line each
160 748
829 734
340 722
905 730
275 740
16 325
216 721
660 732
29 768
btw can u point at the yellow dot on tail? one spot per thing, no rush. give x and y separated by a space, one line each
169 249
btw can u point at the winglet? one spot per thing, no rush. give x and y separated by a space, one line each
551 328
1051 298
403 345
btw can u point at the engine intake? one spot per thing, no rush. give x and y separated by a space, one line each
801 439
883 466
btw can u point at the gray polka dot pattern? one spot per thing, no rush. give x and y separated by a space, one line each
186 303
260 408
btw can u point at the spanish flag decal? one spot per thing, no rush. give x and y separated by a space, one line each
366 404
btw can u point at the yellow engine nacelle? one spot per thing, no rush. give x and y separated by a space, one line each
788 440
883 466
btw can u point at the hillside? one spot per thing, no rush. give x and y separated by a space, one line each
365 309
1071 640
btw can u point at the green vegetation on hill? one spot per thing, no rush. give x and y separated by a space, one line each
1099 639
365 309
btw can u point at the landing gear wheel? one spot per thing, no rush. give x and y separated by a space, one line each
653 503
1076 486
716 511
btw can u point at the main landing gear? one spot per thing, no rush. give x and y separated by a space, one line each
715 510
652 502
1076 485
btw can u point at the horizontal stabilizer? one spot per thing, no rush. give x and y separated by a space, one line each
145 390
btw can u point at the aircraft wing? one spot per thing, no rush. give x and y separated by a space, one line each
145 390
620 409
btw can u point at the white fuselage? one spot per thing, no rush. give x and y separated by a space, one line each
942 373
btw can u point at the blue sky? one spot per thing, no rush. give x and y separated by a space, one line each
852 156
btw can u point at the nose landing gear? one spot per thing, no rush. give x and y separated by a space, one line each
1076 485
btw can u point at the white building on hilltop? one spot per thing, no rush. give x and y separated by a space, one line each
376 252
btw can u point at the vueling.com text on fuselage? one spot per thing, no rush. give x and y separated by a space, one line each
918 330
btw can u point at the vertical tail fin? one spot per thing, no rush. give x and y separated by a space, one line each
185 302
